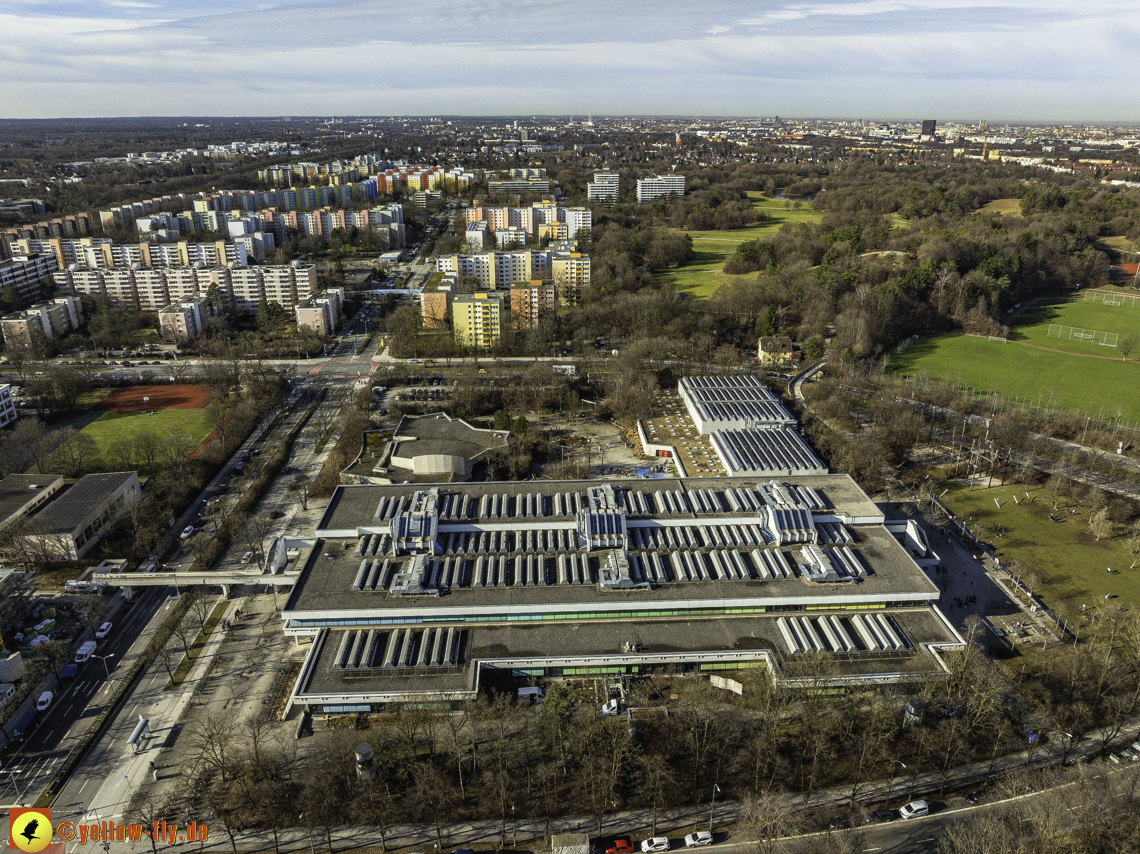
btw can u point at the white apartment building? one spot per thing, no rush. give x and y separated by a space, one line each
660 187
498 270
577 219
7 408
155 288
604 188
25 272
183 320
321 312
477 234
510 238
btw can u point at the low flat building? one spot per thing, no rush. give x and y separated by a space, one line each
436 448
75 521
731 403
417 592
23 494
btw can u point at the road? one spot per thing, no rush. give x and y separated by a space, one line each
72 711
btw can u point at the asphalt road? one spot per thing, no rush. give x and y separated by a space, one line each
72 710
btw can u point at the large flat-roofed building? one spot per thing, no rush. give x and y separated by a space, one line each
731 402
605 188
417 592
21 494
435 448
71 524
765 452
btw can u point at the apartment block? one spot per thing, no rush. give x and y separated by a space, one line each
521 181
659 187
479 319
530 302
182 320
510 238
498 270
605 188
8 409
571 274
321 312
152 289
478 235
552 231
53 318
25 273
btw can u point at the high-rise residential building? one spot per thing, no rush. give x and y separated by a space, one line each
606 188
571 274
477 236
53 318
26 273
479 319
321 312
497 270
183 320
660 187
530 302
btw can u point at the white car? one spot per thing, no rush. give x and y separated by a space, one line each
44 701
103 631
247 557
914 809
699 839
656 843
187 532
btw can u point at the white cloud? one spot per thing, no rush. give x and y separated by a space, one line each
951 58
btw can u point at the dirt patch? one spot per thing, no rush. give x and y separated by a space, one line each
158 397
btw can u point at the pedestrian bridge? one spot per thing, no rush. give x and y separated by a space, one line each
223 579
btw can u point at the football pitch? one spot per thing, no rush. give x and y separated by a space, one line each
1069 377
1080 324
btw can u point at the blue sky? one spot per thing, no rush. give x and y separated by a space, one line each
969 59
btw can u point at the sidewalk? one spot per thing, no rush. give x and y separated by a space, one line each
122 772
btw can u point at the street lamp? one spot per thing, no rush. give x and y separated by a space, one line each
15 774
712 805
891 785
104 658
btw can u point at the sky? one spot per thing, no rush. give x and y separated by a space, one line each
1018 60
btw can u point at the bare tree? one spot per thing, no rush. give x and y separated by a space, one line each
214 740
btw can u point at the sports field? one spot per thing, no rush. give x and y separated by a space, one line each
121 414
1026 372
1070 561
1078 312
1005 207
701 277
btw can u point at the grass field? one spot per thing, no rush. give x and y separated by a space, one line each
105 426
701 277
1005 207
1033 325
1069 560
1026 372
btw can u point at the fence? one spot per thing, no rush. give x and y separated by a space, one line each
1112 298
1104 339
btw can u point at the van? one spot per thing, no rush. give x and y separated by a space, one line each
531 695
44 701
103 631
24 726
85 651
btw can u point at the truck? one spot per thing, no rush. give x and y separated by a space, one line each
85 651
24 726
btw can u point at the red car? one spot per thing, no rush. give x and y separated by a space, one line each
622 845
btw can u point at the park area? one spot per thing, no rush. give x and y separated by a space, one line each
701 277
124 414
1062 561
1074 372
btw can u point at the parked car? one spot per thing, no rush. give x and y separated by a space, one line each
44 701
275 514
103 631
882 814
699 839
914 809
247 557
975 797
622 845
1114 758
187 532
655 843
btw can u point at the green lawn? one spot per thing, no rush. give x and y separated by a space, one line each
110 426
1034 324
1069 560
1025 372
1006 207
701 277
